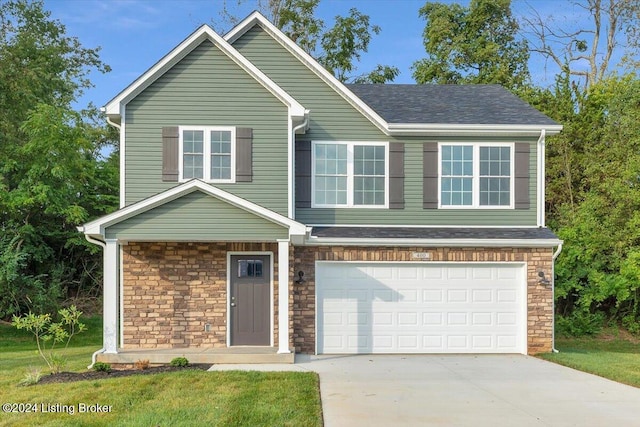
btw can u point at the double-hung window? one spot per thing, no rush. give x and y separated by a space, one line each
350 174
207 153
476 175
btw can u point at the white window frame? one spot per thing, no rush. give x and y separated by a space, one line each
206 176
350 174
475 179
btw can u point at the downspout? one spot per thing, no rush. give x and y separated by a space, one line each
553 294
292 182
121 147
104 247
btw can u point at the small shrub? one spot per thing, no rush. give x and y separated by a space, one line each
579 324
101 367
141 364
57 362
179 362
48 333
31 377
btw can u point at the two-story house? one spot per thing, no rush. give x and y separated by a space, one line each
267 208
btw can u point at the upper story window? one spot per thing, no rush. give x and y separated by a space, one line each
350 174
207 153
478 175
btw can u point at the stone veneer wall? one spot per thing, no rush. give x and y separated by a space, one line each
171 290
539 297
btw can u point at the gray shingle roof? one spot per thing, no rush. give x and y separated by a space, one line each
433 233
448 104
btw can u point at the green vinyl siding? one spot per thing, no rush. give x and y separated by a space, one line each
206 88
333 118
196 217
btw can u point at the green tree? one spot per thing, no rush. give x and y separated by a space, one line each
475 44
599 270
52 174
343 45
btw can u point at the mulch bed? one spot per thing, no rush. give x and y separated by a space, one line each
66 377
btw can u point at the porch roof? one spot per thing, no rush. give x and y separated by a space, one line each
272 225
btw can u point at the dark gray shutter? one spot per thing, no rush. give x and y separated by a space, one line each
244 154
303 174
430 175
170 155
396 175
521 184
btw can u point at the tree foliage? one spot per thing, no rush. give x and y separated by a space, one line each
475 44
593 170
52 174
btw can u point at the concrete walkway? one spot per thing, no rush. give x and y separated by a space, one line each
457 390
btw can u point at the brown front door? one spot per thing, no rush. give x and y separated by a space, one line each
249 300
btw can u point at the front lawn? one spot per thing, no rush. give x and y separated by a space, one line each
610 355
185 398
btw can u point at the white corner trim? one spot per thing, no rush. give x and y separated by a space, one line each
257 18
541 179
98 226
203 33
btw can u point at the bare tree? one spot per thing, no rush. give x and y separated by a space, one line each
587 52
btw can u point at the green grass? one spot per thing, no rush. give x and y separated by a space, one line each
608 355
184 398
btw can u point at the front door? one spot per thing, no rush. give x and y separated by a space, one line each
249 300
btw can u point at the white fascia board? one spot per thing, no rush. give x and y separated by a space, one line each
98 226
436 243
438 129
417 226
201 34
309 61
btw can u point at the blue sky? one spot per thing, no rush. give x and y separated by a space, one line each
134 34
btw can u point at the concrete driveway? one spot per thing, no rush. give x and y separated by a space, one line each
458 390
455 390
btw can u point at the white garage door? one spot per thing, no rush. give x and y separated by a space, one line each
420 308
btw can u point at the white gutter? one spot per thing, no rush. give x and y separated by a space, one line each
433 243
104 247
475 129
541 178
553 292
291 161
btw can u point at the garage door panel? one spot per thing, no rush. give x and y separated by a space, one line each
457 295
481 296
368 308
432 295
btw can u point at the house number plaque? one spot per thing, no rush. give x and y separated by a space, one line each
421 255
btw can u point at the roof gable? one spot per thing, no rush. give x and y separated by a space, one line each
113 107
257 19
97 227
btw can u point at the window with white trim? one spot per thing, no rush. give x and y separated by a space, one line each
207 153
350 174
476 175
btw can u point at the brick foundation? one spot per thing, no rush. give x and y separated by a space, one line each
539 297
